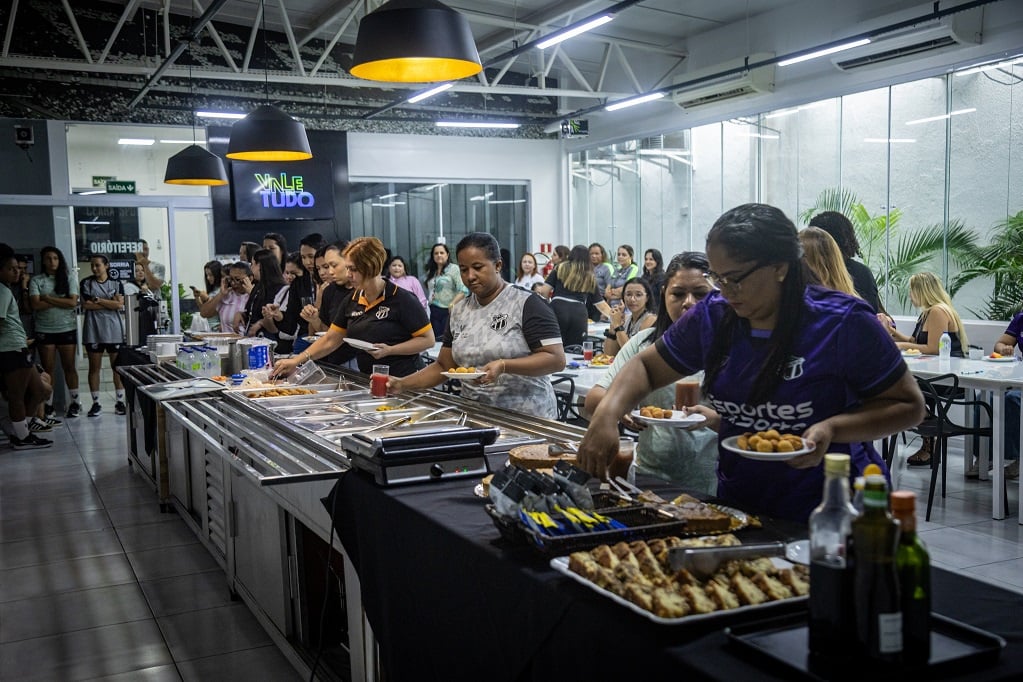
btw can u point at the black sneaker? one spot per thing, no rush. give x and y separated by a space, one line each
119 407
48 410
30 442
74 409
52 421
95 410
36 425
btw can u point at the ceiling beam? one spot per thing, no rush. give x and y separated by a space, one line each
129 10
78 32
10 27
290 33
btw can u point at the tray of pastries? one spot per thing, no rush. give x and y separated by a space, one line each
637 576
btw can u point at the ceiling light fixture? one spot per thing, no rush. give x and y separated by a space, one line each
136 141
889 140
625 103
414 41
826 51
267 133
573 31
476 124
429 93
942 117
193 165
1003 64
219 114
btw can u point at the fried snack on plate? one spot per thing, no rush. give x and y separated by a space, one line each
769 441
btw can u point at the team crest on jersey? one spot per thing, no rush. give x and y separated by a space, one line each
498 321
382 312
793 369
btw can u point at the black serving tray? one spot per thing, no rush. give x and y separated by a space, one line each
643 523
955 647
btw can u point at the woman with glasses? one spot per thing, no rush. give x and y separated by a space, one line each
777 354
685 457
634 315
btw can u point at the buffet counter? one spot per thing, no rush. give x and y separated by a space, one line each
448 598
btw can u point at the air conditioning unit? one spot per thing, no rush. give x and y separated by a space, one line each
750 82
964 28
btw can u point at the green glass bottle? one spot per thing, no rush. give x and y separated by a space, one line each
875 580
914 568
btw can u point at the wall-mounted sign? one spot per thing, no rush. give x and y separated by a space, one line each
109 231
120 187
575 127
101 180
111 248
293 190
122 269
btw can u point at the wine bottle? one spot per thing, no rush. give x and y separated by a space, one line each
914 569
875 580
831 607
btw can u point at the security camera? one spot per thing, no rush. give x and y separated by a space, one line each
24 136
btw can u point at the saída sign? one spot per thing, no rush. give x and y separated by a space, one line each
295 190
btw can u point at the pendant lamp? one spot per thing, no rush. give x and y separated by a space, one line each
268 134
414 41
193 165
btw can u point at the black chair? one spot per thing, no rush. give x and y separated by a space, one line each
941 394
564 394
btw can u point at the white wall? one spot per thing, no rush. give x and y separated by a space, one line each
541 163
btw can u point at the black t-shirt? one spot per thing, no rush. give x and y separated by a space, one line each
330 303
394 318
589 299
864 283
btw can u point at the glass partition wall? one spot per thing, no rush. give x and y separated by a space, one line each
926 170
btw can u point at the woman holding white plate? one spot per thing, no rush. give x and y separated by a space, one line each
385 323
667 451
507 334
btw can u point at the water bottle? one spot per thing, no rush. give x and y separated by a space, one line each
204 362
945 346
182 358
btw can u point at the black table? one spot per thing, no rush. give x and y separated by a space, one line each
448 599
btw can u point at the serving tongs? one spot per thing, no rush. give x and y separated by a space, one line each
389 424
703 562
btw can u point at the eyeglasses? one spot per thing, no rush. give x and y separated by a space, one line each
635 294
731 283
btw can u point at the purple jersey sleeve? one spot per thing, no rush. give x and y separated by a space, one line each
1015 328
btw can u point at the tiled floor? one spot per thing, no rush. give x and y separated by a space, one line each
96 583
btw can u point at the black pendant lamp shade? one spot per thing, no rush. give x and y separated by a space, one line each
193 165
414 41
268 134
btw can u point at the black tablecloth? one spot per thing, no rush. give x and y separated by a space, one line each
448 599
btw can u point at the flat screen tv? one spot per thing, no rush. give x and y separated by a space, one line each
288 190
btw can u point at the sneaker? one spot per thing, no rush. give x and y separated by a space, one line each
74 409
119 408
95 410
48 409
53 421
30 442
1012 470
37 425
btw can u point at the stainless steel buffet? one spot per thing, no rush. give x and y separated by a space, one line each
246 469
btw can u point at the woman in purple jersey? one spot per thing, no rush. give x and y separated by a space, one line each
777 353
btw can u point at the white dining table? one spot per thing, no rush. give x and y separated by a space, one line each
982 375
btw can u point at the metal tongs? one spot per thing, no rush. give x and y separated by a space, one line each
703 562
388 424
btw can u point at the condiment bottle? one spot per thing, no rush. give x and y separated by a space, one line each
875 579
914 568
831 607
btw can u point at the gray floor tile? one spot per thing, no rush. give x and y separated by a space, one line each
59 504
220 630
138 514
264 663
64 576
53 548
30 492
160 673
69 611
170 533
963 549
1008 574
191 592
119 476
115 498
52 524
166 562
85 653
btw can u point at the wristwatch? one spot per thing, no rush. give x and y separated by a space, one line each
608 334
619 328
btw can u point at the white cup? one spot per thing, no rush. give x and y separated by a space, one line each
166 349
976 354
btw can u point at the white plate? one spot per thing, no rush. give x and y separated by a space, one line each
1007 358
359 343
907 354
463 375
732 444
560 564
678 420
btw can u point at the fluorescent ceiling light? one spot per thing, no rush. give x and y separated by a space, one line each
476 124
429 188
391 205
94 222
429 93
199 142
889 140
794 110
388 196
989 67
826 51
507 201
136 141
481 197
219 114
90 191
762 136
622 104
572 32
942 117
664 152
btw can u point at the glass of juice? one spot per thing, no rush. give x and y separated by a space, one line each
378 381
587 350
687 392
619 466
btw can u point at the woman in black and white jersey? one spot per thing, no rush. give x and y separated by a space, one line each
103 328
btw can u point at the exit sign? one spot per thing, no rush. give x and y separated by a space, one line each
120 187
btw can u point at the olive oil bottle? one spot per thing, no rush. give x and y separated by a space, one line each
875 578
914 568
